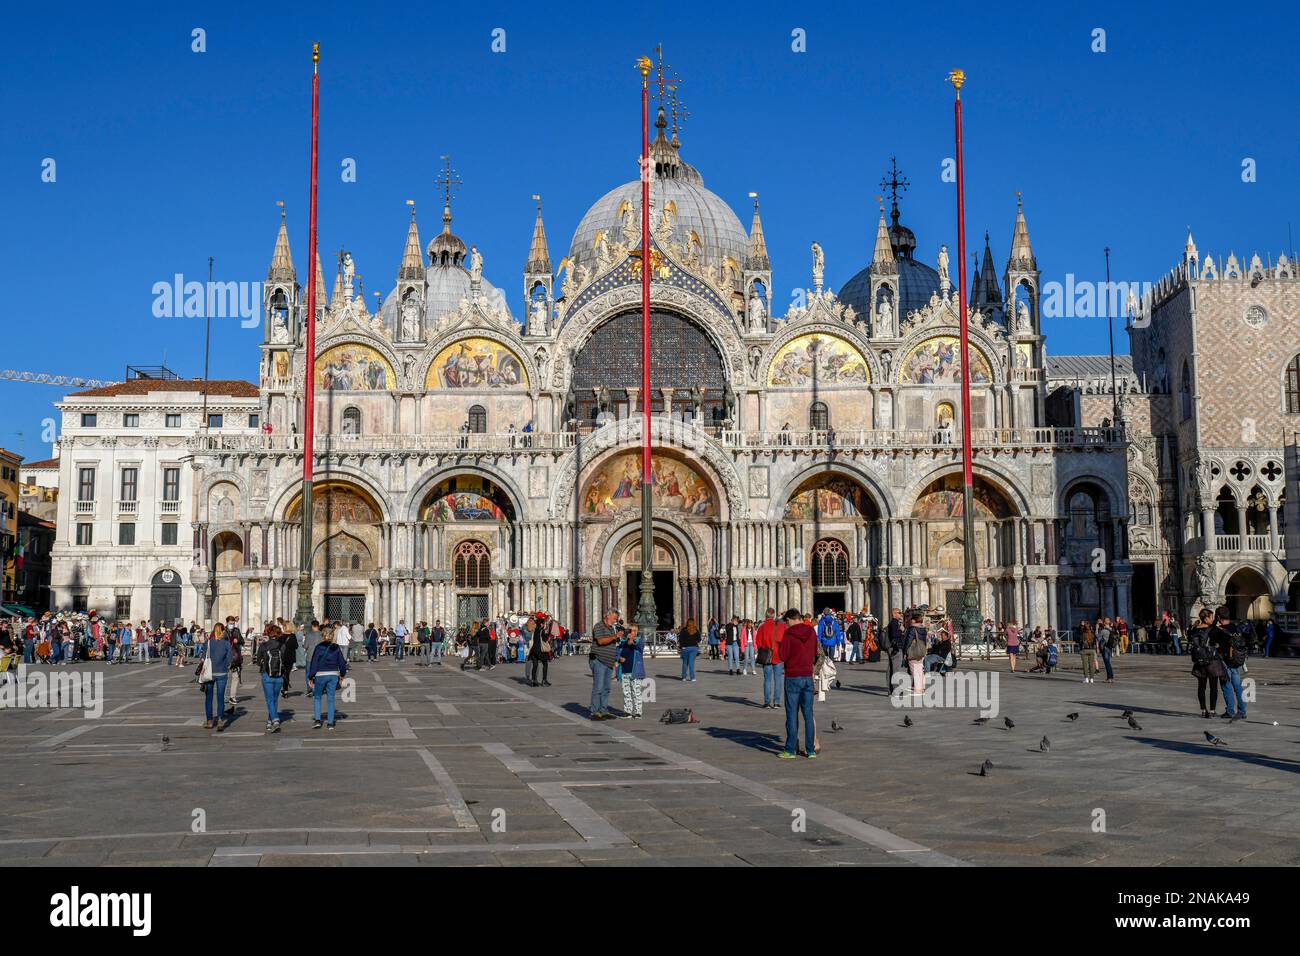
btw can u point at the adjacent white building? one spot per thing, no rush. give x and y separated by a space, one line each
125 541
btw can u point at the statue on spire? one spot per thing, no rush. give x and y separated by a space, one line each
819 267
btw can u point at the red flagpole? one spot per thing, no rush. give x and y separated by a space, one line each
645 273
647 617
305 614
970 614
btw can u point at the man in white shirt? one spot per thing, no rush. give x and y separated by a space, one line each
358 638
399 644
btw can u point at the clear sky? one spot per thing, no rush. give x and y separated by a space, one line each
166 156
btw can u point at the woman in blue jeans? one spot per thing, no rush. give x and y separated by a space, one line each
216 651
688 640
328 666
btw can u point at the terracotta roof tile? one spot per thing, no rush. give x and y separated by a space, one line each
234 388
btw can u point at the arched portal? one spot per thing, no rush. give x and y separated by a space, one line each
1247 596
674 563
940 509
165 597
468 524
348 541
227 562
829 528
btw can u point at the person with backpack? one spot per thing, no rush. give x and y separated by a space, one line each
328 666
714 640
829 634
798 650
1206 666
273 661
917 645
1233 651
1088 652
1107 641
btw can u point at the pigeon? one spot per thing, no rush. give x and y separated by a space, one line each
1009 722
1127 713
835 728
907 721
1073 716
1044 745
981 721
1133 723
985 767
1216 741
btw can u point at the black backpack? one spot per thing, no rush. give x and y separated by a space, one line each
682 715
274 660
1240 649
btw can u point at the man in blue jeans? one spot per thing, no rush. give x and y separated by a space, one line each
798 653
1232 650
604 656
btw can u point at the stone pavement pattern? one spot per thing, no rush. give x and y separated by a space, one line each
444 767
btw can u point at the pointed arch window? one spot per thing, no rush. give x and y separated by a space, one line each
1185 392
472 566
830 565
819 417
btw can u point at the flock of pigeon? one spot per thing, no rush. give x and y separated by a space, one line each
1045 745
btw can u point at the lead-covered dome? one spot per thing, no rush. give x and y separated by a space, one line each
699 210
917 282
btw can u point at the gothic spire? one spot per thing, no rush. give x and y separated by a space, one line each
882 257
539 255
281 260
989 277
320 284
412 268
1022 253
756 258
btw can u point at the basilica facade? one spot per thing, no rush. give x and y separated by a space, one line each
473 458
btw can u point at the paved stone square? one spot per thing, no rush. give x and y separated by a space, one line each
443 767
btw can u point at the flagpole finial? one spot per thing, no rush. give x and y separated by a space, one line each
315 52
644 66
957 78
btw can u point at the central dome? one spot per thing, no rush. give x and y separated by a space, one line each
698 210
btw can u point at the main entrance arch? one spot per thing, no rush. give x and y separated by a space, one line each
346 533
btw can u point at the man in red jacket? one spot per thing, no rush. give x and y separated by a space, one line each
798 653
768 642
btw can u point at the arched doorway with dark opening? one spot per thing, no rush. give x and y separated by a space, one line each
832 522
1247 596
165 597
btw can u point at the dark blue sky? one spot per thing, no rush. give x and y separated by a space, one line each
165 156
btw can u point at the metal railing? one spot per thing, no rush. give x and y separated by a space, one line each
671 431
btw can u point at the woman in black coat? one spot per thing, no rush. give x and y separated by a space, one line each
537 653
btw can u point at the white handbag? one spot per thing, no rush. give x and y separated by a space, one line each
205 671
